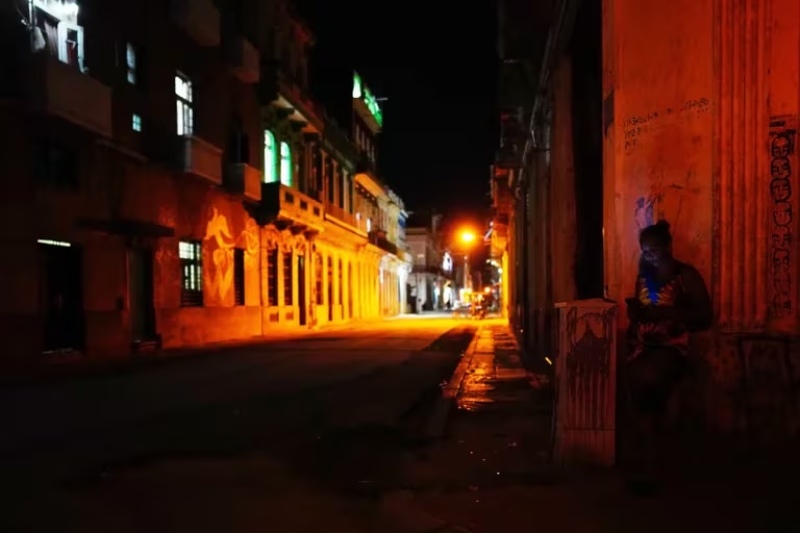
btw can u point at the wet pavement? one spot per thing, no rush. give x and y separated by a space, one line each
492 472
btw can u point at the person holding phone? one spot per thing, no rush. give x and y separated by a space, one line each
670 301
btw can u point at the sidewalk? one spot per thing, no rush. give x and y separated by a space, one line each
57 368
491 473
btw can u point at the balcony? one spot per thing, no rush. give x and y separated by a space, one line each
243 59
199 158
334 211
243 179
64 91
199 19
288 208
427 269
378 238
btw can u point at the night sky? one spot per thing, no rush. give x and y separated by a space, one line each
437 69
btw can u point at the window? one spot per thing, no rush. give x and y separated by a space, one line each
286 164
318 277
272 278
340 276
131 64
58 32
136 122
330 301
191 256
185 113
238 276
56 165
287 279
270 158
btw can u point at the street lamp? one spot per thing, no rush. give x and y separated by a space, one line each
467 238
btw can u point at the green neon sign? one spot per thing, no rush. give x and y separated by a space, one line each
361 92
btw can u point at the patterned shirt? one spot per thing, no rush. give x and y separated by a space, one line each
663 333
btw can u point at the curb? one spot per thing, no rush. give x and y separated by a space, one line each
434 429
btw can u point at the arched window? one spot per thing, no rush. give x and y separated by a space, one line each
286 164
270 158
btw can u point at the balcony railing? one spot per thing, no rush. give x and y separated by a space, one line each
197 157
63 90
199 19
243 179
383 243
243 59
290 207
337 212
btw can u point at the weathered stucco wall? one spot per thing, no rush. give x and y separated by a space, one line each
700 118
663 132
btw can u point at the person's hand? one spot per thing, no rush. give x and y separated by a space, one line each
657 313
634 308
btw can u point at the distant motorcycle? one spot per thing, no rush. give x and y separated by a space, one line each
478 311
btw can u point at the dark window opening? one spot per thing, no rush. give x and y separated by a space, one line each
287 279
272 278
56 165
238 276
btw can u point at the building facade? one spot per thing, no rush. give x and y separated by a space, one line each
182 186
431 282
690 115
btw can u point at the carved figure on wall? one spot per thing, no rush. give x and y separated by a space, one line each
218 280
671 300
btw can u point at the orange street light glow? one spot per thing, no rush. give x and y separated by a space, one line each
467 237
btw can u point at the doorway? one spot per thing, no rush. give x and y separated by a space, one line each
301 290
61 282
140 297
330 289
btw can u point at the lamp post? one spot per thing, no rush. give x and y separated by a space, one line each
467 239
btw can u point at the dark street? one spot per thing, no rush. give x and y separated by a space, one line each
298 416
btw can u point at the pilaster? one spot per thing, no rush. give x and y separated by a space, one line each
742 178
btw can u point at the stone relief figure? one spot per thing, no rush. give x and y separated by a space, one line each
219 282
670 301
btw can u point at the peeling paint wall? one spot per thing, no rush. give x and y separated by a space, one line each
701 106
663 88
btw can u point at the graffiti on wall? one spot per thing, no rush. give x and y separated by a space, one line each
645 213
782 138
220 243
636 128
590 341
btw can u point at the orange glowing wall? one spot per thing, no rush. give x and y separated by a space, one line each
701 107
662 132
701 104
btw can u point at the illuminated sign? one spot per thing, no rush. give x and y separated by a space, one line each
360 92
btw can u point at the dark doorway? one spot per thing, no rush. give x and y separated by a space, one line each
301 290
140 297
61 282
330 289
587 114
350 312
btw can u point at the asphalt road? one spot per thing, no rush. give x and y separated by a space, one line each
259 438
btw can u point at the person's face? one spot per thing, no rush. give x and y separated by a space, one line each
654 253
